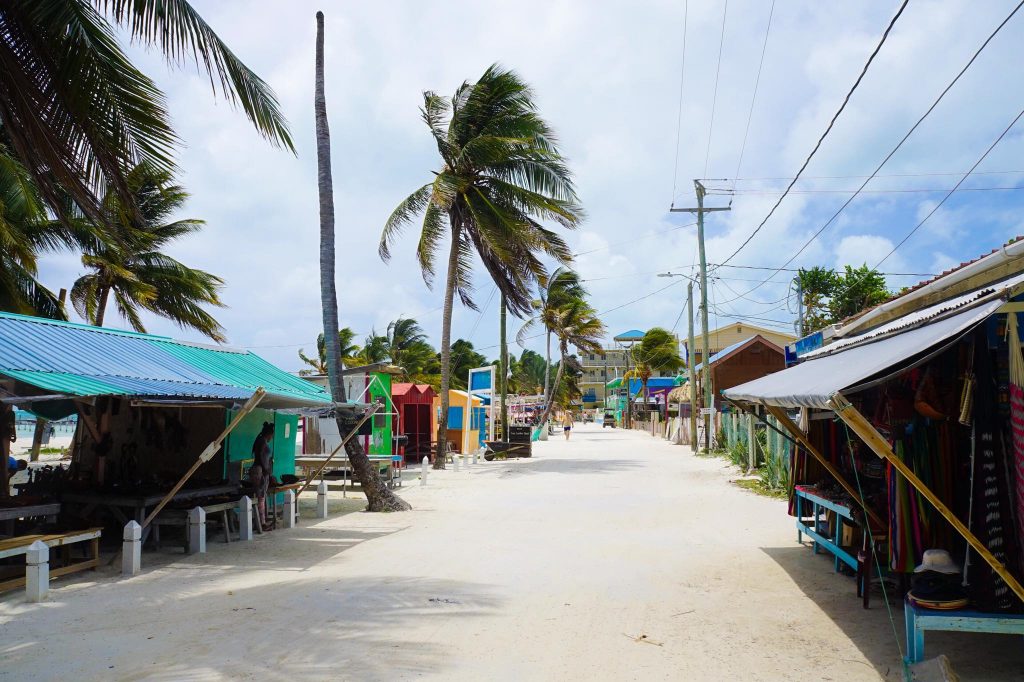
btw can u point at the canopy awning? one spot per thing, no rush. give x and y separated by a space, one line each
813 382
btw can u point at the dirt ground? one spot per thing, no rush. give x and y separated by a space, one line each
614 556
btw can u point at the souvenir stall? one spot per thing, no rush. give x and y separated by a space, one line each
414 426
909 465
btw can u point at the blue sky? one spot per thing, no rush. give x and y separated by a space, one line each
607 77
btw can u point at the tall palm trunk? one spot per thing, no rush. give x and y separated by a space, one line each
504 373
446 342
564 350
378 496
101 307
547 365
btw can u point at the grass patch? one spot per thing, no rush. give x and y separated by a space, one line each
52 451
755 485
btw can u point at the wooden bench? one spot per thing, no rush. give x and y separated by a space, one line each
20 545
918 620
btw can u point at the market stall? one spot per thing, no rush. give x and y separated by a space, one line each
912 427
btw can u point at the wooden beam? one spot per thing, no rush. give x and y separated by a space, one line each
874 440
780 414
90 425
346 439
207 454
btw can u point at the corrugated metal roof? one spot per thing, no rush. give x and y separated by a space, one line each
920 317
82 360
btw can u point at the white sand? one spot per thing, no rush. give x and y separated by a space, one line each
542 569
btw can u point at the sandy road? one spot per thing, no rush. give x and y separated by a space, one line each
542 569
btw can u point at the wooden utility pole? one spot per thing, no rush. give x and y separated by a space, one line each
709 395
691 347
503 381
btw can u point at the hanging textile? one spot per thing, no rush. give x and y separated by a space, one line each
1017 421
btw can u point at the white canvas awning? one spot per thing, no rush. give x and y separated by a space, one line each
813 382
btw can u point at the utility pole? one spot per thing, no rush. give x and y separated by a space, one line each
709 395
693 376
799 307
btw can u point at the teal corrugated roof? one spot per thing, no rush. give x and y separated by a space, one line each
81 360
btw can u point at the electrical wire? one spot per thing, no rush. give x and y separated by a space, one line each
888 156
753 97
714 97
679 115
828 129
951 191
913 190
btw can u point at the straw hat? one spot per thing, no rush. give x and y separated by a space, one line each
937 560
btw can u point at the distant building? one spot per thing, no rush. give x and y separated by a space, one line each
727 335
610 363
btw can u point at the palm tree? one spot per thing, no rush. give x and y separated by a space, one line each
575 324
658 350
563 286
79 115
349 351
378 496
123 253
375 349
501 172
25 231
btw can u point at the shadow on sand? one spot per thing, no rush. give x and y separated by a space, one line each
568 466
974 656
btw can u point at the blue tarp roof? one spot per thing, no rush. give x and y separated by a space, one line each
631 335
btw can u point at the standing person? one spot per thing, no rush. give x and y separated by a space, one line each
567 424
261 471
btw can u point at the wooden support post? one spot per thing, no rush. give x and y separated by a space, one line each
780 414
874 440
373 409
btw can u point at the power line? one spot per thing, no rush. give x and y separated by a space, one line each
821 139
763 267
950 193
932 174
753 97
912 190
679 115
888 156
714 97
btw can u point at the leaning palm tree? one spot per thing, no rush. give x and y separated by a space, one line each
575 324
79 115
124 258
657 351
378 496
318 364
500 174
563 286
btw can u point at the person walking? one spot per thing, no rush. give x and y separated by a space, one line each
261 472
567 424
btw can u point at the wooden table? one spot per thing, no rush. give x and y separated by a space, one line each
11 514
179 517
918 620
341 467
20 545
138 506
818 504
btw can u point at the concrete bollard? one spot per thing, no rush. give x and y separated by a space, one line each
321 500
197 531
424 465
131 549
245 518
455 463
289 508
37 571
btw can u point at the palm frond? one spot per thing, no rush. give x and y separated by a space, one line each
403 214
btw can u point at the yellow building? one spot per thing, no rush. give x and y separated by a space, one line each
456 423
727 335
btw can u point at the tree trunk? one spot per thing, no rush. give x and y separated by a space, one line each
504 373
378 496
558 379
37 439
547 366
101 307
446 343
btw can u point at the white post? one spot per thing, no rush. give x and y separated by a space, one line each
245 518
455 460
321 500
37 571
423 471
289 508
197 531
131 549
